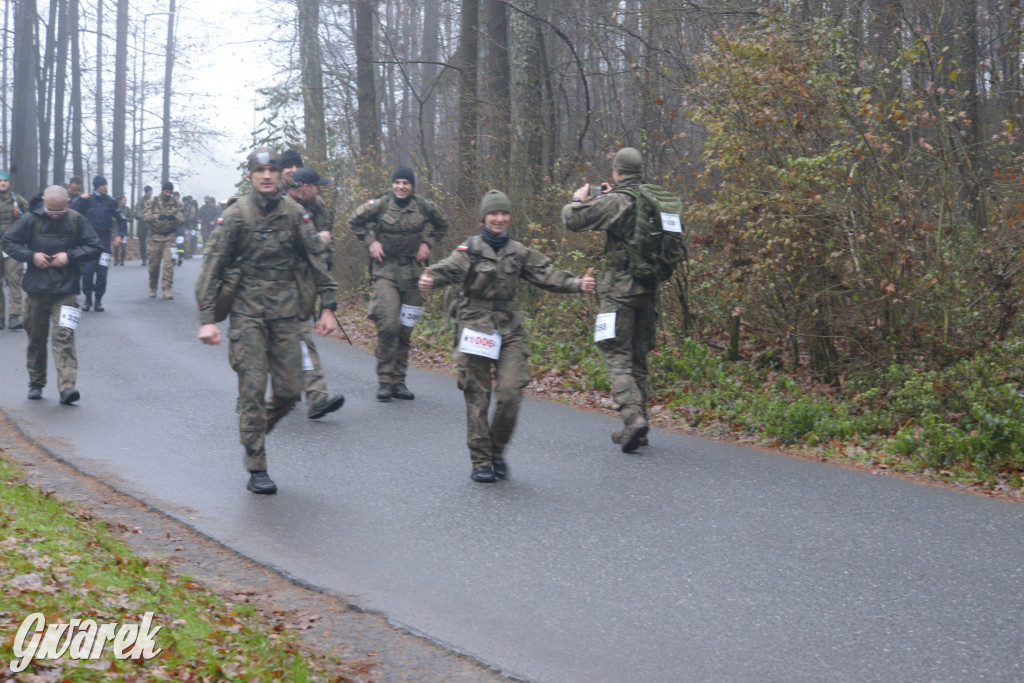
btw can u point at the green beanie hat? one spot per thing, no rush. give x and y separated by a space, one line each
628 161
494 201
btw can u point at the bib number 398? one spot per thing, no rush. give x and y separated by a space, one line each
480 343
410 315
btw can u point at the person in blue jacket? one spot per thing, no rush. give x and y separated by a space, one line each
102 211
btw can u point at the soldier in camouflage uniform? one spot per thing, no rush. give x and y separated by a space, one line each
305 190
163 214
141 227
488 268
399 229
53 240
634 303
12 207
266 236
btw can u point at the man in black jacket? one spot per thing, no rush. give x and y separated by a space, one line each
53 240
103 213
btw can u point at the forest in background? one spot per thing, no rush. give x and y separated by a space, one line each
852 171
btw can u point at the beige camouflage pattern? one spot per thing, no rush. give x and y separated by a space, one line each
42 311
160 250
486 276
160 206
400 230
634 302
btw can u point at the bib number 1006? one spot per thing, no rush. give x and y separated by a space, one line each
480 343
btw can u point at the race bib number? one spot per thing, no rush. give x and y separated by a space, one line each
180 240
5 254
69 317
604 328
173 252
480 343
106 260
670 222
307 360
410 315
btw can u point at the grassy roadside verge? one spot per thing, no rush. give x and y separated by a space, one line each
61 564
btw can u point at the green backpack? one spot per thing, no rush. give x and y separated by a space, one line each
658 243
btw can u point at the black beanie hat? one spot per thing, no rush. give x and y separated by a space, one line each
168 185
404 173
98 181
290 157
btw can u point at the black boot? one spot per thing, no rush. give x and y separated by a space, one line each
401 391
15 323
260 482
88 302
3 321
99 306
384 392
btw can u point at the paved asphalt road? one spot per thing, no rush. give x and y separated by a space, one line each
696 561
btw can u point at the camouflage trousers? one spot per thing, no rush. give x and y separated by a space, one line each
13 269
161 249
392 336
625 355
487 439
313 383
259 348
42 310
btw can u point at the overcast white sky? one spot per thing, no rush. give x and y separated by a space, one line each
231 57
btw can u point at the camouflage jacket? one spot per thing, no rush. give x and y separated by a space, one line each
163 215
400 230
269 240
317 211
140 208
489 282
12 207
615 215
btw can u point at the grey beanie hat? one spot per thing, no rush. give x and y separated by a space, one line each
494 200
628 161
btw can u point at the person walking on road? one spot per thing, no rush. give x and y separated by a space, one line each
399 229
267 238
141 226
121 251
103 212
12 207
54 241
632 302
305 190
163 215
487 268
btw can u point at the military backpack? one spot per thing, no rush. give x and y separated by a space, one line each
658 244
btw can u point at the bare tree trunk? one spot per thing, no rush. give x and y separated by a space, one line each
120 100
468 64
3 87
428 81
527 111
45 90
99 90
312 81
76 92
368 116
165 161
499 86
24 125
59 150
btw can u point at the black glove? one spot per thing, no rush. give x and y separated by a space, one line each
166 217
